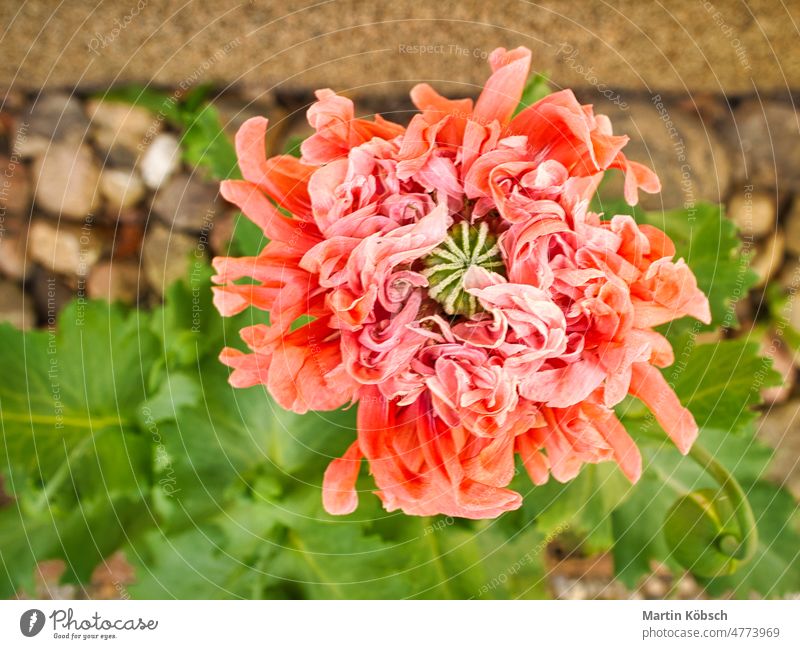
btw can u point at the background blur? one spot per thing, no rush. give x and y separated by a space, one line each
97 199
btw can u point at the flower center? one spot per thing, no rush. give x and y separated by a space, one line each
465 246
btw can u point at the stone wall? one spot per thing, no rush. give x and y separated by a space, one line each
383 46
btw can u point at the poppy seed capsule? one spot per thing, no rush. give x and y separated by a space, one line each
465 246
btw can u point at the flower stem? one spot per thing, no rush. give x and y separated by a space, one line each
742 548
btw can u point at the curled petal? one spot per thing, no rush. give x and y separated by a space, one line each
670 292
282 177
534 461
637 176
337 129
436 108
339 484
248 369
503 90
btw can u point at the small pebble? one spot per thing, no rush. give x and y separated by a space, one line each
67 180
753 212
161 159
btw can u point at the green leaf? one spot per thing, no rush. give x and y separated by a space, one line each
292 145
196 97
720 383
281 545
778 301
248 238
218 558
77 462
206 145
638 530
372 554
73 384
24 539
177 391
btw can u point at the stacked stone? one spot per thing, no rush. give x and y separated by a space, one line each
97 202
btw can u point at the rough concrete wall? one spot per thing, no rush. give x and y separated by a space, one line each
689 45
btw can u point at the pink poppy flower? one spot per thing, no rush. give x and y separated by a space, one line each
457 290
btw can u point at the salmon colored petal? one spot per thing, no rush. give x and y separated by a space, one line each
670 291
306 371
626 453
248 369
235 298
436 108
565 386
260 210
284 178
339 484
251 149
338 131
556 127
503 91
427 99
650 386
660 244
637 176
533 460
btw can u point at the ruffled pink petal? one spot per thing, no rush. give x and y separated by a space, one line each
565 386
436 108
337 129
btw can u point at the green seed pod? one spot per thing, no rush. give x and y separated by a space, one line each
702 533
465 246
